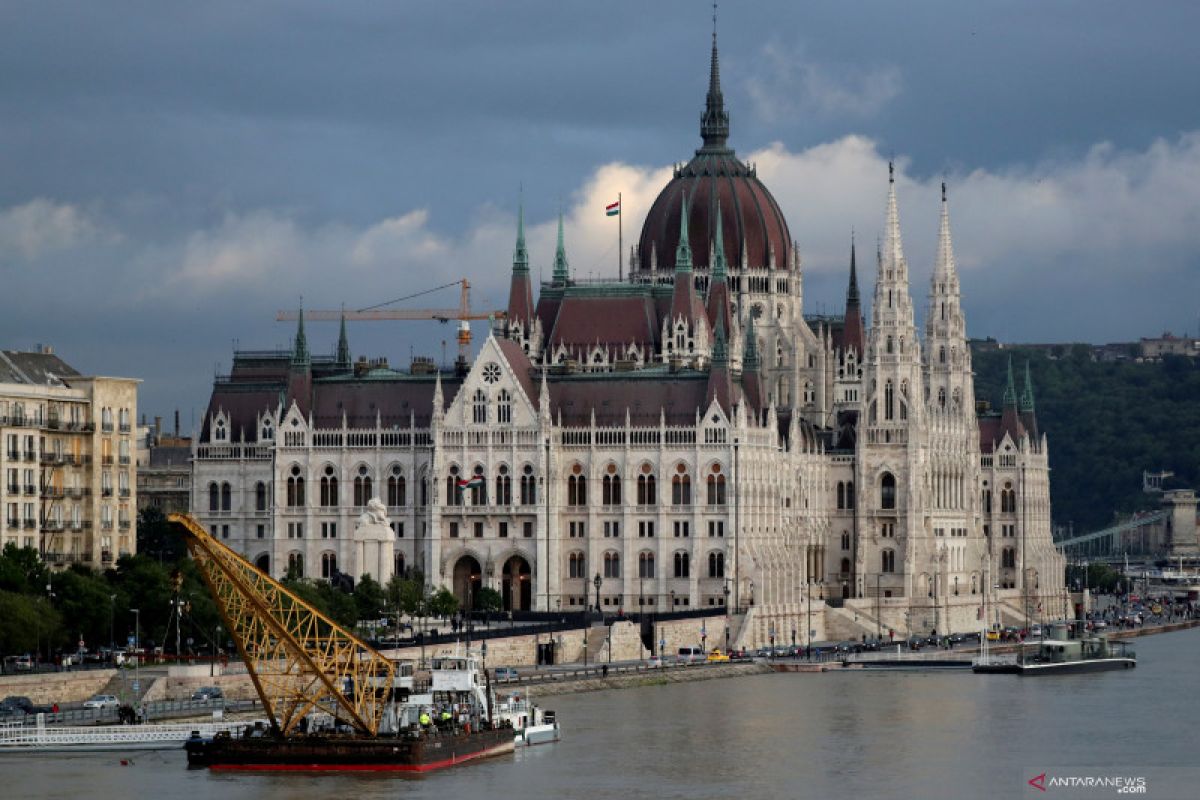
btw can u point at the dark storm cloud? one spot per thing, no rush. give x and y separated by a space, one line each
171 174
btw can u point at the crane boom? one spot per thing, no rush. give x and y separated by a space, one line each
298 658
378 313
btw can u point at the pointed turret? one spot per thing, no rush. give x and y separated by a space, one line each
685 303
752 382
343 345
947 353
854 334
1028 414
300 355
892 331
718 288
520 294
561 268
1010 420
714 122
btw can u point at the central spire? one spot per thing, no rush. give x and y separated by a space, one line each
561 269
714 122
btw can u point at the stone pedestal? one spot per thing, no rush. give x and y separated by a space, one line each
374 543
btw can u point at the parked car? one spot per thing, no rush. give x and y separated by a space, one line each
717 655
17 706
206 693
654 662
102 701
506 674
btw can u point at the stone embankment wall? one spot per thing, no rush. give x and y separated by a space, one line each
57 687
660 677
180 682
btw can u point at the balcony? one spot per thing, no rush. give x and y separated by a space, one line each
29 455
52 458
124 524
106 427
31 488
14 455
14 488
76 527
13 523
53 423
53 492
106 491
106 556
125 493
87 524
106 525
107 460
30 524
53 526
123 460
74 492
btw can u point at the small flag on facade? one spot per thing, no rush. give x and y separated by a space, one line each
474 480
613 210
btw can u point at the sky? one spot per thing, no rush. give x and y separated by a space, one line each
172 175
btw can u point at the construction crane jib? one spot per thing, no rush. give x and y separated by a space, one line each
463 314
298 659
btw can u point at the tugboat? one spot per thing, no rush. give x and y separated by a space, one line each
1060 655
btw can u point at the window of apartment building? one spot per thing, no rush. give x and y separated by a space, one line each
716 528
14 519
14 482
682 529
612 529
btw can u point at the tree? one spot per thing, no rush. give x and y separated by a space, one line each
410 593
157 537
443 603
488 600
369 597
27 623
22 570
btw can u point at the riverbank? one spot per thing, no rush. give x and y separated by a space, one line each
643 677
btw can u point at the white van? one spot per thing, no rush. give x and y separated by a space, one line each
687 655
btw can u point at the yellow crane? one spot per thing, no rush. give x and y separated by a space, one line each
379 312
298 659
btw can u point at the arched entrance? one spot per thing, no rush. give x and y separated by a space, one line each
263 562
468 580
517 586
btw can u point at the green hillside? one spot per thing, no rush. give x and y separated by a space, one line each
1106 422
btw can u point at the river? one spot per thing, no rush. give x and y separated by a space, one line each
838 734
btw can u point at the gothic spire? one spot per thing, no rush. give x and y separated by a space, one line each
520 254
893 247
750 351
944 268
561 269
343 345
718 271
300 356
1027 391
714 122
1010 388
852 298
683 253
720 347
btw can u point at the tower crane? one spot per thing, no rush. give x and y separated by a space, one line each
462 314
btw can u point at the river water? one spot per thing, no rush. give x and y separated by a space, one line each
838 734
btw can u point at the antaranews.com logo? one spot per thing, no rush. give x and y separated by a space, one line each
1118 784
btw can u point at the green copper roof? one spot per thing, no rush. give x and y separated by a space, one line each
561 268
683 253
718 271
1027 392
1010 388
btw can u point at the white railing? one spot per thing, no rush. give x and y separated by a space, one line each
18 736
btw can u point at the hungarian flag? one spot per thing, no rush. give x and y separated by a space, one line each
475 480
612 210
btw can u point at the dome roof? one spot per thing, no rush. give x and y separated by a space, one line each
751 220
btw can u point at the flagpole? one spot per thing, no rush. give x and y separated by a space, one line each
620 235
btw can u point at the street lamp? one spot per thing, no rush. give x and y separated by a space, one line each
596 582
137 655
112 613
703 637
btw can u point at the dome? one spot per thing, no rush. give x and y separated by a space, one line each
751 220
